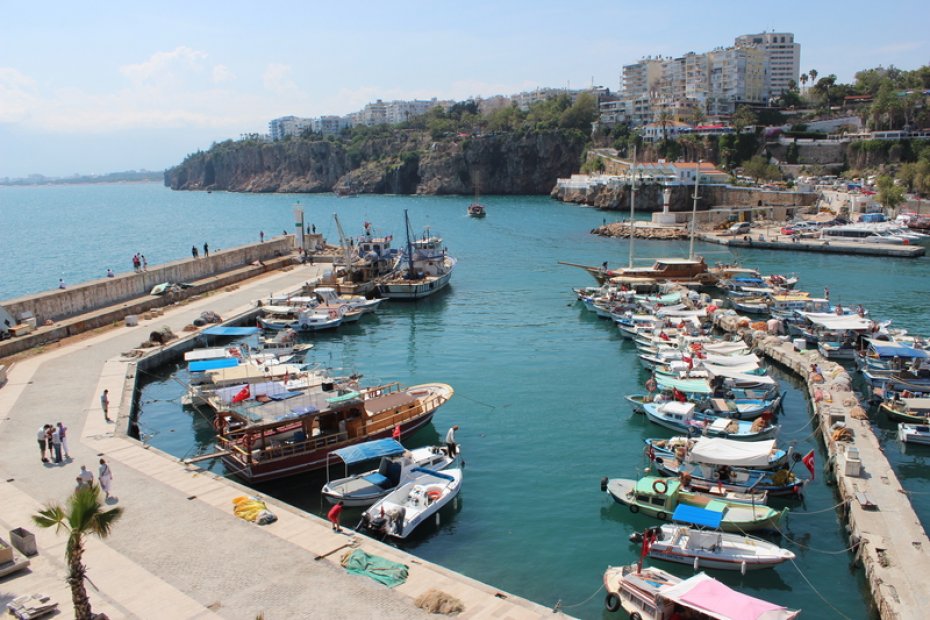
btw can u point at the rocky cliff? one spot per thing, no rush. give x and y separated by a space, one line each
402 162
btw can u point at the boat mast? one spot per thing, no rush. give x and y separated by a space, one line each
345 244
410 273
697 182
632 206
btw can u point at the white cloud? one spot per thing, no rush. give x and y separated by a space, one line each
166 66
221 73
18 95
277 79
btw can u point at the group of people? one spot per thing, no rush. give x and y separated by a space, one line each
85 479
138 263
53 442
196 253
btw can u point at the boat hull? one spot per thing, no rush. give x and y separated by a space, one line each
414 289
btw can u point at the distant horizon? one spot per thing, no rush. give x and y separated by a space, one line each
144 88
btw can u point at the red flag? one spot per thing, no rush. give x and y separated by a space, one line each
808 461
679 395
241 396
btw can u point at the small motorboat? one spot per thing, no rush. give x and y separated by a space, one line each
710 549
397 465
914 433
477 210
400 512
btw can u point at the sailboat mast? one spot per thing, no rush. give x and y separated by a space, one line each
409 245
697 182
632 206
345 244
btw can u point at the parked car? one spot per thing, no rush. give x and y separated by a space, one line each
740 228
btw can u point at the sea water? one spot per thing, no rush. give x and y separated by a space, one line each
539 381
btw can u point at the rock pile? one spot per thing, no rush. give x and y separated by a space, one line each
622 230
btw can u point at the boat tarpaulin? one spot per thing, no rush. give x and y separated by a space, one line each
369 450
897 350
731 360
380 569
206 354
304 410
735 373
343 397
835 322
725 348
709 596
688 386
726 371
224 330
697 516
214 364
720 451
434 473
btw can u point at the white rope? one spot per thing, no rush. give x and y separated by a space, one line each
558 605
817 592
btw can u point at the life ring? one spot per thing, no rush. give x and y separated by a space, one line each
660 483
612 602
433 494
332 314
343 309
634 508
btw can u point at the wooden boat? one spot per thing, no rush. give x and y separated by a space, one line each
659 497
913 410
424 268
363 261
400 512
683 417
648 593
914 433
396 467
292 435
711 549
680 448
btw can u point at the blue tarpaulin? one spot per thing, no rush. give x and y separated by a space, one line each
893 350
284 395
304 410
369 450
202 365
433 473
219 330
697 516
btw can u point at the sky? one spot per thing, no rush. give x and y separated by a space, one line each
95 87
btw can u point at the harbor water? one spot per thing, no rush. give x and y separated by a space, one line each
539 381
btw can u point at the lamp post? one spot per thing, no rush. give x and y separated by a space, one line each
632 206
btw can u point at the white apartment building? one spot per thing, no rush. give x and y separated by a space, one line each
330 125
280 128
783 58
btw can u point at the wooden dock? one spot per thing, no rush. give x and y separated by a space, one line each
892 544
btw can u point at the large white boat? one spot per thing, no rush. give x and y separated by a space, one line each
413 503
862 233
423 269
709 549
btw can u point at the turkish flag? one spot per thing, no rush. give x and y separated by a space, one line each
241 396
808 460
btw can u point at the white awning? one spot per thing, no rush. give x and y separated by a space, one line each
719 451
727 371
739 377
838 322
732 360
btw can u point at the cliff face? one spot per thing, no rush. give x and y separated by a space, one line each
399 163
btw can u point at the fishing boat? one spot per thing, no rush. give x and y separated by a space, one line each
683 417
680 448
732 465
648 593
400 512
294 433
299 318
422 270
701 548
686 271
361 262
396 466
914 433
659 497
911 410
476 210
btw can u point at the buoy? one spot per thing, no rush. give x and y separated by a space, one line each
696 561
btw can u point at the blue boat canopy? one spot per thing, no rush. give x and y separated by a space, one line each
369 450
892 350
214 364
697 516
431 472
220 330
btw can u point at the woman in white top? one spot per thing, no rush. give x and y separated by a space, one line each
105 477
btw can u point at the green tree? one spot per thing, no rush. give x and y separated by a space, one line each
581 113
890 195
742 118
83 517
761 170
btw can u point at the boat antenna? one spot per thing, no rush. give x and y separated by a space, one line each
697 182
632 205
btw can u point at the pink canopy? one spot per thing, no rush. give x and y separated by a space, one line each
711 597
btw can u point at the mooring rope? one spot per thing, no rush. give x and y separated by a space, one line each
817 592
559 606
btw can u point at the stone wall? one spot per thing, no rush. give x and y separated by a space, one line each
89 296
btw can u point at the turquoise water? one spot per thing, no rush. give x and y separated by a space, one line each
539 382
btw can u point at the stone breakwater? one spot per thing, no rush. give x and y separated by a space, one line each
885 534
641 231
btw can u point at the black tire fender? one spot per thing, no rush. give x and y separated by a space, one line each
612 602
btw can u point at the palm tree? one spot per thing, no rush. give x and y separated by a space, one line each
813 75
803 79
82 517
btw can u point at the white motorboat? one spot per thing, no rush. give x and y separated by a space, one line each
299 319
396 467
400 512
914 433
711 549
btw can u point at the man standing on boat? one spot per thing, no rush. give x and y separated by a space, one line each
450 442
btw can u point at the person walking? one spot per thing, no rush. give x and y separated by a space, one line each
135 262
261 236
105 404
56 444
334 515
206 249
105 476
85 478
63 435
145 263
42 436
450 442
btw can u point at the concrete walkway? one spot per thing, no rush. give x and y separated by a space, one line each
178 551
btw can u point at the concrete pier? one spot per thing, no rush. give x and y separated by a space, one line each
772 239
893 545
178 551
